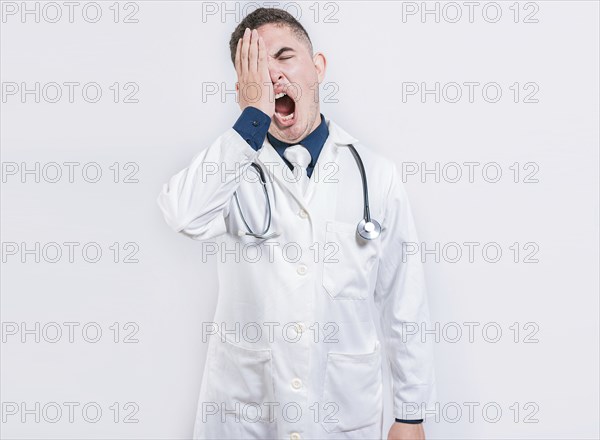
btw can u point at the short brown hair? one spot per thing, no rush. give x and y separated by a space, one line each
263 16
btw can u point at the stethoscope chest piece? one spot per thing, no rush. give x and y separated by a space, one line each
368 230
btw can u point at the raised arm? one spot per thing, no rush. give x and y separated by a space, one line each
195 201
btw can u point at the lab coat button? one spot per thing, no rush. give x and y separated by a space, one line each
303 213
294 436
296 384
301 269
255 123
300 327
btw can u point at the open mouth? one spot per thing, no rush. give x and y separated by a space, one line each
284 108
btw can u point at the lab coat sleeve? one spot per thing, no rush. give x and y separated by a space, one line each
195 201
401 298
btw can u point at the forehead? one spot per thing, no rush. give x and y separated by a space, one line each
278 35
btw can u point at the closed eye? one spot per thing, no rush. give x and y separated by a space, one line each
286 58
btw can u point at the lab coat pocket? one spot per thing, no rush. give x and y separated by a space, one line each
347 262
241 380
352 391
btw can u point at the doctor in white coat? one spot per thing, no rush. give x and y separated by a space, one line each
293 350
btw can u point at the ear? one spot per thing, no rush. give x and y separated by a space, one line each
320 63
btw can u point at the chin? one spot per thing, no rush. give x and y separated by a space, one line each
291 129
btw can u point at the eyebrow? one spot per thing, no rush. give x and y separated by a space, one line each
280 51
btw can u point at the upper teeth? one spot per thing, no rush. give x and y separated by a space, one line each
279 95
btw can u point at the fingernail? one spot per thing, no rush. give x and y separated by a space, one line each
247 30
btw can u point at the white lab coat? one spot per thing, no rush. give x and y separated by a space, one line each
294 352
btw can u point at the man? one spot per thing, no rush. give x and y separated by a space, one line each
294 351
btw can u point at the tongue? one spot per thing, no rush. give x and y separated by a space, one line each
284 105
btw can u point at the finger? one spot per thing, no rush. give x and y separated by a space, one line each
238 67
253 61
244 54
263 63
262 55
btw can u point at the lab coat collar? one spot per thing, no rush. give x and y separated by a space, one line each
277 168
338 135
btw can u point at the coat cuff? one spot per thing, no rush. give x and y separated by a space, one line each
416 401
412 422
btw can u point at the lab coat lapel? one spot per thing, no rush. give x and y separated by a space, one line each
278 169
324 167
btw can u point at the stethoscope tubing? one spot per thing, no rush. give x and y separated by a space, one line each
264 186
367 228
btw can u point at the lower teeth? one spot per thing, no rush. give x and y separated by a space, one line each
287 118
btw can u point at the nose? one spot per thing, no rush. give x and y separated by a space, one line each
274 73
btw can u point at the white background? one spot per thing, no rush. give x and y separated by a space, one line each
371 50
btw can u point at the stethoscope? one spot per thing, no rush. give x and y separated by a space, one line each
368 228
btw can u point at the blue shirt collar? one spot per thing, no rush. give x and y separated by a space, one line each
313 142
